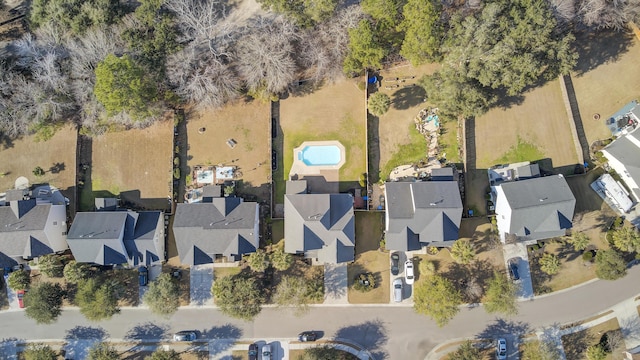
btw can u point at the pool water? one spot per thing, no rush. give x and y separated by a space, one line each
317 155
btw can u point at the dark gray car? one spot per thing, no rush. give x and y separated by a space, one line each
395 263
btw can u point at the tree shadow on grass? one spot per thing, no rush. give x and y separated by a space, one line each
408 97
371 335
577 343
470 279
600 47
146 330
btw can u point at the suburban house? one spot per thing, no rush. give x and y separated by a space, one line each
533 209
422 213
116 237
216 227
623 155
320 226
32 224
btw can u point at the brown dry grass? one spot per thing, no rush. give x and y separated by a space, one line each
576 344
184 283
377 263
540 120
246 122
573 270
332 112
136 164
394 126
20 156
611 82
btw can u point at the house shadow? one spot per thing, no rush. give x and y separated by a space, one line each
370 335
373 148
131 199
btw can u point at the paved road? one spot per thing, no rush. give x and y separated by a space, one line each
392 332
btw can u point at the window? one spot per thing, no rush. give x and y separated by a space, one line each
55 223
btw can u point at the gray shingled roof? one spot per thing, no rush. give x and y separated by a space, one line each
117 237
628 153
541 208
226 226
28 230
422 213
320 225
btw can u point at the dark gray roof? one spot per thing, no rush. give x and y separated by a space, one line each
320 224
211 191
528 171
108 204
421 213
15 195
540 207
29 230
226 226
296 187
117 237
442 174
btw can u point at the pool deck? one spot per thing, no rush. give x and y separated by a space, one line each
299 169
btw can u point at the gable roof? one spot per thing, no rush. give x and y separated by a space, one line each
542 205
322 225
419 213
225 226
116 237
29 230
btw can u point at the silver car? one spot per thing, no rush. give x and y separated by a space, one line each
397 290
185 336
266 352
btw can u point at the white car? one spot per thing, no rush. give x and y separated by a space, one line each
266 352
501 349
408 272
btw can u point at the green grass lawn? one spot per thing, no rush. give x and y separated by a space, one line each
351 134
448 141
277 231
409 153
522 151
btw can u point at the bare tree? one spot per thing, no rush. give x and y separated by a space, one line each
612 14
564 11
323 49
200 78
265 55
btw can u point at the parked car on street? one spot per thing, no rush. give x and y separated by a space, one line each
253 351
395 263
501 349
513 269
307 336
143 276
20 294
266 352
397 290
408 272
185 335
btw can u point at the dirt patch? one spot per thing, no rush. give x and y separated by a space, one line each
248 124
57 157
540 120
606 78
576 344
476 186
135 164
377 263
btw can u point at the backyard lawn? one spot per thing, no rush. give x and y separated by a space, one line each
135 164
333 112
535 129
606 78
245 122
395 140
57 157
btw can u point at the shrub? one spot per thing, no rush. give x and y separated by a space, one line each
176 174
462 251
19 280
379 103
258 261
51 265
587 256
550 264
176 161
427 268
364 282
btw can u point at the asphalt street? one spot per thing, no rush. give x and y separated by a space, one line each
388 331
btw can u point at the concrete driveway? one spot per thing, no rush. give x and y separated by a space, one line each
335 284
154 272
407 290
519 250
201 282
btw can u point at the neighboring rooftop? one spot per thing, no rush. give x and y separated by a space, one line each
513 172
625 120
422 213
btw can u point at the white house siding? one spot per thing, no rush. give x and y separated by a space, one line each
503 213
624 175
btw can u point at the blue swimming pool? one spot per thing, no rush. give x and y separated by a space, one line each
316 155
